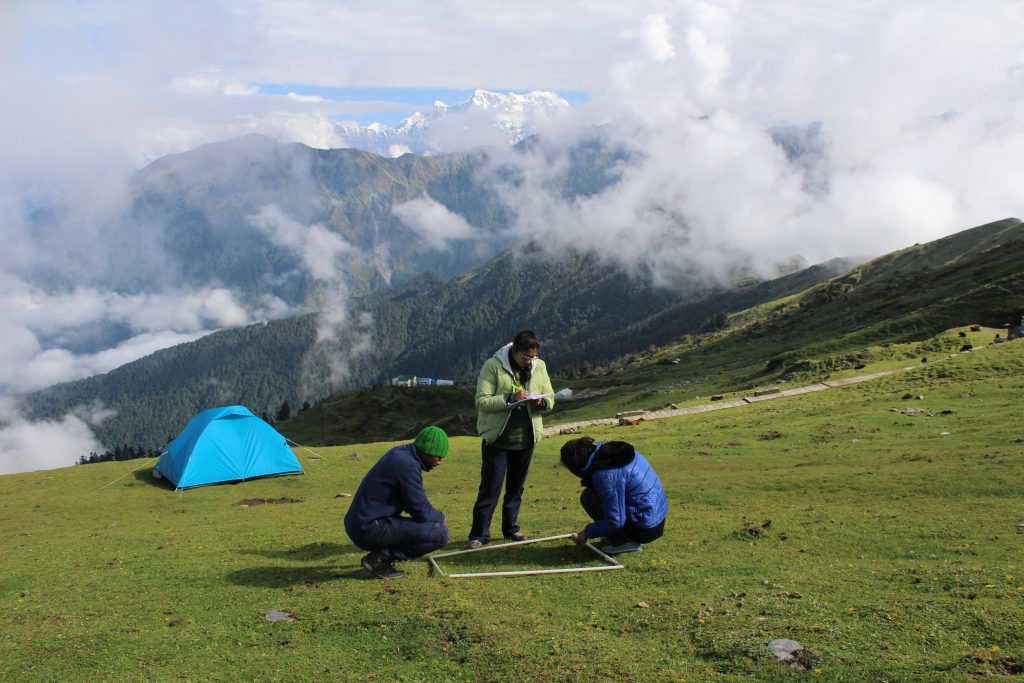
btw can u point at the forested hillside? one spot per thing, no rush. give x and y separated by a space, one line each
154 397
586 314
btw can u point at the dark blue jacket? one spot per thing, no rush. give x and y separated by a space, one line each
628 487
392 486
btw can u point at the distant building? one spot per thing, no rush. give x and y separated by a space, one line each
415 381
1015 331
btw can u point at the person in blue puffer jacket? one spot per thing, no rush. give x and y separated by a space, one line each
621 493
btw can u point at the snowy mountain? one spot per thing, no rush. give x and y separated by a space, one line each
487 118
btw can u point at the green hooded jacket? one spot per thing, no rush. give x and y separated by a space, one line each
495 386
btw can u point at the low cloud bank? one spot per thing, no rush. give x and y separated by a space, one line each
755 132
341 336
45 444
859 138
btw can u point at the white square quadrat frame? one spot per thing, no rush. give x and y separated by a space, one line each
610 562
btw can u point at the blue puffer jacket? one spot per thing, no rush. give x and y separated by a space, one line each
628 487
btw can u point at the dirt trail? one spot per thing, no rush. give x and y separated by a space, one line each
570 427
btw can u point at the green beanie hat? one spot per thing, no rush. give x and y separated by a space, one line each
432 441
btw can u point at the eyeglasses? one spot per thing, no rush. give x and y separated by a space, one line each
527 359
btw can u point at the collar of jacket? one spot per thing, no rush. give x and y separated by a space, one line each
502 355
609 455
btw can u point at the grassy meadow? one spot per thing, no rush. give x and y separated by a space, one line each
892 554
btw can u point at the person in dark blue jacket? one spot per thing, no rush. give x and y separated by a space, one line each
622 494
375 520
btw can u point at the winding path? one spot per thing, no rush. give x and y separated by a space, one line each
571 427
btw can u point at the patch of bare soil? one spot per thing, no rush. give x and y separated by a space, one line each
249 502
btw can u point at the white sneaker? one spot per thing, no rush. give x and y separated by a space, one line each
475 544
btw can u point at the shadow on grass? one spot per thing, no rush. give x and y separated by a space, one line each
283 577
526 557
144 475
305 553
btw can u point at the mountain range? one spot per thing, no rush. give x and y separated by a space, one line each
241 214
509 118
585 313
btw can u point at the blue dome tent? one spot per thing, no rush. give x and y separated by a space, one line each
225 444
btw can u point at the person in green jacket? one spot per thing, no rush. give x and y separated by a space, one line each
511 392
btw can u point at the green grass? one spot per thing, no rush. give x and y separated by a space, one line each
891 553
726 365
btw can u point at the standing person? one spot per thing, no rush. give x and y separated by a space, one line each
622 494
394 485
509 422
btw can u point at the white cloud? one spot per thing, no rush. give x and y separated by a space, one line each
32 445
656 38
433 222
210 84
915 142
321 250
339 337
305 98
25 366
180 311
156 320
919 105
395 151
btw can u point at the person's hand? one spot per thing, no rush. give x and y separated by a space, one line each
520 395
581 537
539 403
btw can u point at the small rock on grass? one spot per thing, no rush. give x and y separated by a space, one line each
277 615
783 648
791 652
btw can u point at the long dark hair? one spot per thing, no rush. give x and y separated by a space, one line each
521 343
576 452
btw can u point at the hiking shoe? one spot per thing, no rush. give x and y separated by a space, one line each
474 544
627 547
379 565
517 536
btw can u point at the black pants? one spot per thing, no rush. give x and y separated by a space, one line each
592 504
500 465
402 538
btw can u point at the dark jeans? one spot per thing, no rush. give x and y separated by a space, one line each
592 504
402 538
500 465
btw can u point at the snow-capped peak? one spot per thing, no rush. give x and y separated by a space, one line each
515 115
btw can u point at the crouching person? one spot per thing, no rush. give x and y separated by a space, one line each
394 486
622 494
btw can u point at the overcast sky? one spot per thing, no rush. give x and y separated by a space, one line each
918 103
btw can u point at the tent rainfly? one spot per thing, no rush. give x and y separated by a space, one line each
225 444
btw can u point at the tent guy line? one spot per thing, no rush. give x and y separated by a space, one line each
147 462
316 456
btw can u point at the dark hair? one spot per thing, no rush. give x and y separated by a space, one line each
525 340
576 452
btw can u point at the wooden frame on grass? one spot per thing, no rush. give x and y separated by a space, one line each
612 563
